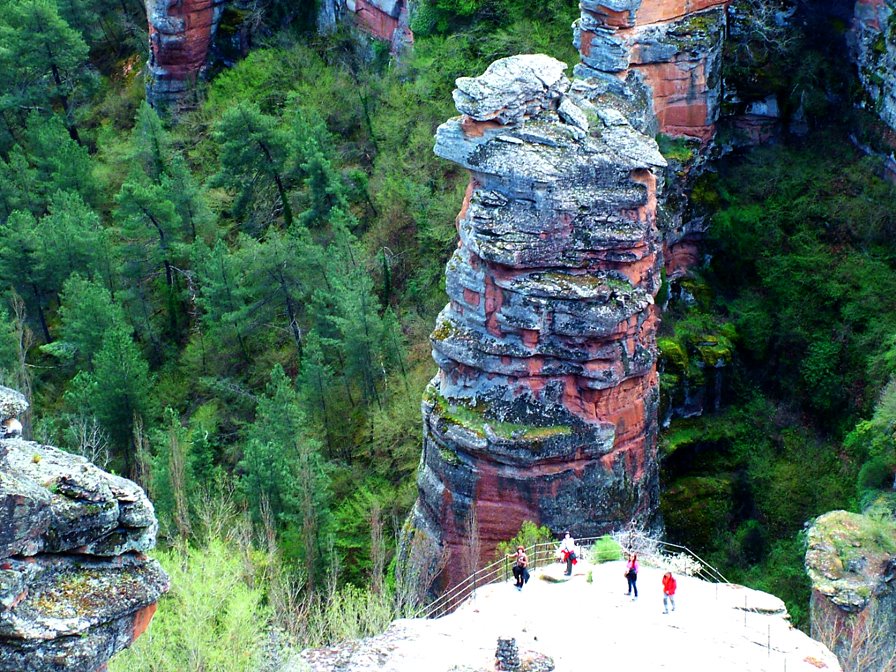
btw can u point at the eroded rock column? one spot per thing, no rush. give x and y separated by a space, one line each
75 585
545 404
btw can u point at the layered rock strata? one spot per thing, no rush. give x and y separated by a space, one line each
180 36
873 42
545 404
671 50
75 585
852 567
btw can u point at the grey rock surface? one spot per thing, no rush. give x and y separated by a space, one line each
12 403
75 585
512 88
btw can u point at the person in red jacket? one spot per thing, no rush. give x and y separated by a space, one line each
669 587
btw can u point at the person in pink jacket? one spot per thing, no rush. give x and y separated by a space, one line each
631 573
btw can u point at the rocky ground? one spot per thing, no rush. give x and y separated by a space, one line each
585 625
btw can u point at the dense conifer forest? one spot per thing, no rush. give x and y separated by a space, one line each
232 307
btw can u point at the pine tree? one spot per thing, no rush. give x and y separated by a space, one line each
117 392
88 313
42 60
283 469
252 153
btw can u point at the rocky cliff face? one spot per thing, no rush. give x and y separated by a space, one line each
75 586
545 404
851 561
873 42
180 35
384 19
670 49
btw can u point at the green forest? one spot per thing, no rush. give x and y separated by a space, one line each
232 307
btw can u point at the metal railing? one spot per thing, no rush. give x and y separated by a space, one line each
541 554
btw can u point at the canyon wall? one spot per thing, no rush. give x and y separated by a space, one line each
75 585
545 404
384 19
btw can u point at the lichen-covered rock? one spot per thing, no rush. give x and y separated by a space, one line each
873 42
12 403
851 562
75 586
511 88
544 408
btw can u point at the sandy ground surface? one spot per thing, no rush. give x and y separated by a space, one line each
584 625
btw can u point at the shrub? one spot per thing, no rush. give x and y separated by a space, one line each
605 549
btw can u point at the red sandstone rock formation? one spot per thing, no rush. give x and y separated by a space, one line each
673 47
384 19
180 35
545 405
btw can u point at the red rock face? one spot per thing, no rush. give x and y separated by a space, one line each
545 405
180 35
374 20
673 47
384 19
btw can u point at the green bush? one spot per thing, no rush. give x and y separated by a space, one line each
605 549
529 535
212 619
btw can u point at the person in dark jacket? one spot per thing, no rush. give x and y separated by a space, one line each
520 567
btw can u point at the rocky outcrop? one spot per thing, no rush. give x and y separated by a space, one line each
873 43
671 50
75 585
851 562
180 36
545 405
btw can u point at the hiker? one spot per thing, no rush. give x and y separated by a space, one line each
631 573
669 586
568 553
520 571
